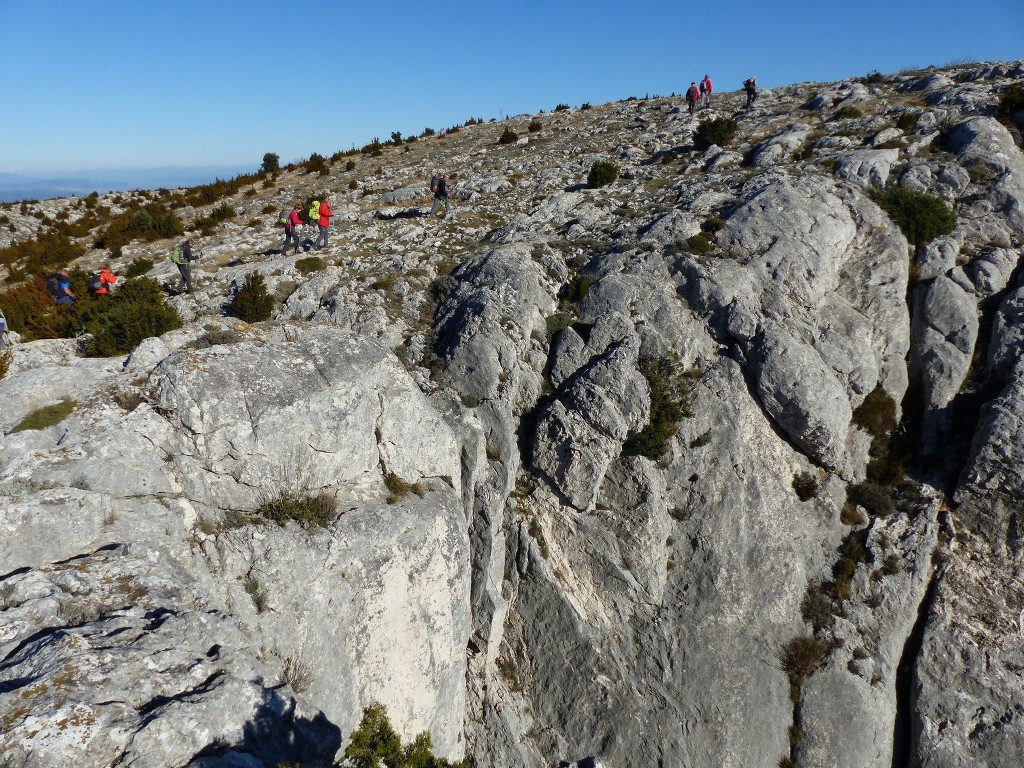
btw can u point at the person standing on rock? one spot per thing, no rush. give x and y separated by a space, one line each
182 257
323 222
692 95
750 86
705 92
441 196
292 226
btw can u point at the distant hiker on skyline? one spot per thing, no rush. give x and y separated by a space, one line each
705 92
59 284
692 95
440 190
323 222
182 256
292 225
750 86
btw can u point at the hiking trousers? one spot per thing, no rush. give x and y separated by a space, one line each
321 236
438 200
186 276
290 234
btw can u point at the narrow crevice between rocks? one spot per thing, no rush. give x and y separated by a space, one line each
902 730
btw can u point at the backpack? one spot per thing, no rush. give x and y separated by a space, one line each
434 182
314 211
53 284
176 254
3 324
748 83
95 283
692 92
283 217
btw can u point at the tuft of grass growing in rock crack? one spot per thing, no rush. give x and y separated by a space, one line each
671 402
309 511
399 489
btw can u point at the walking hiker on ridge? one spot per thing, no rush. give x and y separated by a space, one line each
323 222
705 92
750 86
182 256
441 196
692 94
292 224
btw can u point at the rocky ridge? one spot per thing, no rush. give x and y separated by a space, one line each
535 590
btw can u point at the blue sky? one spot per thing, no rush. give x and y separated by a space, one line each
91 84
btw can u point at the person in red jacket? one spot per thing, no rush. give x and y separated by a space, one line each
705 92
291 230
107 281
324 222
692 94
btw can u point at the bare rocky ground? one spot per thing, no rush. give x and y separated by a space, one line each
533 591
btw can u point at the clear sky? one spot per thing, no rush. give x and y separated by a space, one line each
90 84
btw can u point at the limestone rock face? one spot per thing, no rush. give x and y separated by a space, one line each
496 560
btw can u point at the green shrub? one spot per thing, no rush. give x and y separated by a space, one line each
817 610
47 251
508 136
579 288
318 163
907 121
134 312
720 131
221 213
671 402
602 173
375 744
921 217
309 264
47 416
700 243
535 126
1011 101
398 488
847 112
152 222
252 303
873 78
309 511
557 322
561 107
138 267
874 497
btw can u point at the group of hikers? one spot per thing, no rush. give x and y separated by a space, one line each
699 96
100 284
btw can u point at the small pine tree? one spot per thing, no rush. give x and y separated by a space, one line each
602 173
252 303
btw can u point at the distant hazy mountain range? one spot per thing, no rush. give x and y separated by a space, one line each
42 186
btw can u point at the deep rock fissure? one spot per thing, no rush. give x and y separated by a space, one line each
902 731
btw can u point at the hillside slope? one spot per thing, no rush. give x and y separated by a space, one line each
705 467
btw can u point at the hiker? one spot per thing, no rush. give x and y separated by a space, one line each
692 94
323 222
59 284
182 255
292 225
705 92
440 191
101 283
5 335
750 86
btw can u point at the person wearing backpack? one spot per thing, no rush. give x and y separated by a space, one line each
705 92
59 285
323 221
292 225
750 86
101 283
692 94
440 190
182 257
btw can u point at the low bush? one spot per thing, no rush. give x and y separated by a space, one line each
877 414
375 744
252 303
508 136
874 497
700 243
1011 101
134 312
398 488
149 223
602 173
671 402
310 264
45 252
806 486
138 267
535 126
557 322
221 213
921 217
847 112
852 553
579 288
561 107
720 131
47 416
800 659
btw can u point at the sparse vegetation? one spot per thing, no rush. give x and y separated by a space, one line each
135 312
800 659
508 136
877 414
847 112
375 744
138 267
47 416
806 486
1011 99
310 264
535 126
399 489
308 510
671 402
